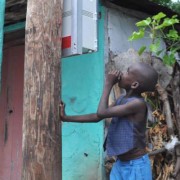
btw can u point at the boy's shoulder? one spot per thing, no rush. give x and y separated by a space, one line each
137 103
123 100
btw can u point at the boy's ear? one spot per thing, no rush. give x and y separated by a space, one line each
135 85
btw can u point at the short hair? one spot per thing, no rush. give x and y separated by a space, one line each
147 77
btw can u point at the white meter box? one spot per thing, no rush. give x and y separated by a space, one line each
79 29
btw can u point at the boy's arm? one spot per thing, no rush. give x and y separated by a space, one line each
133 107
120 110
88 118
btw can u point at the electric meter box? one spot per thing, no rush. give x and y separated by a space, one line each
79 28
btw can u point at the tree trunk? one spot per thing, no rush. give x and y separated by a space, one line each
175 84
41 127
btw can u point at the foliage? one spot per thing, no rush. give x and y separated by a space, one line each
157 135
175 6
156 28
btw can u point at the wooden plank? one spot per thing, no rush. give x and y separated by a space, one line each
11 112
15 11
15 38
41 127
10 3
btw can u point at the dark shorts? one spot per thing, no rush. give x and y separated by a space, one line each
137 169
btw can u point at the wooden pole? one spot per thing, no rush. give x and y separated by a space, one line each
41 127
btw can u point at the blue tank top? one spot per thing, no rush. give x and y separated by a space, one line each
124 134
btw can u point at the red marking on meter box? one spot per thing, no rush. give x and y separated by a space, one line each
66 42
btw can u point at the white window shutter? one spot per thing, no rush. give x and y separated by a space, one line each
79 31
89 23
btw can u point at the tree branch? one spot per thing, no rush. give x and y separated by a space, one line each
167 110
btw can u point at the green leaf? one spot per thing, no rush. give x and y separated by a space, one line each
159 16
169 59
175 16
141 50
159 52
173 34
154 23
167 22
144 22
154 47
136 35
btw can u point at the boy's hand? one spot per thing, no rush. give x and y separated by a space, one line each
113 77
62 110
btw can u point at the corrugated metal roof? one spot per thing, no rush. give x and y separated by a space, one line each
16 9
146 6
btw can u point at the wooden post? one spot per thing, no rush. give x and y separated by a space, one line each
41 127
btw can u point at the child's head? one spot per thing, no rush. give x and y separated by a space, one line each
140 77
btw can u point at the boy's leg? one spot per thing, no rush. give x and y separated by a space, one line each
138 169
115 171
142 169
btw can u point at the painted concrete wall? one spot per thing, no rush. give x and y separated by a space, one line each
120 25
82 82
2 10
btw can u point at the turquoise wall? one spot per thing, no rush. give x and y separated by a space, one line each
2 10
82 83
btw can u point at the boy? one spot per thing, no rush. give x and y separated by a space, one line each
126 133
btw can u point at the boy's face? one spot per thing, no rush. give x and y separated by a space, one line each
128 77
